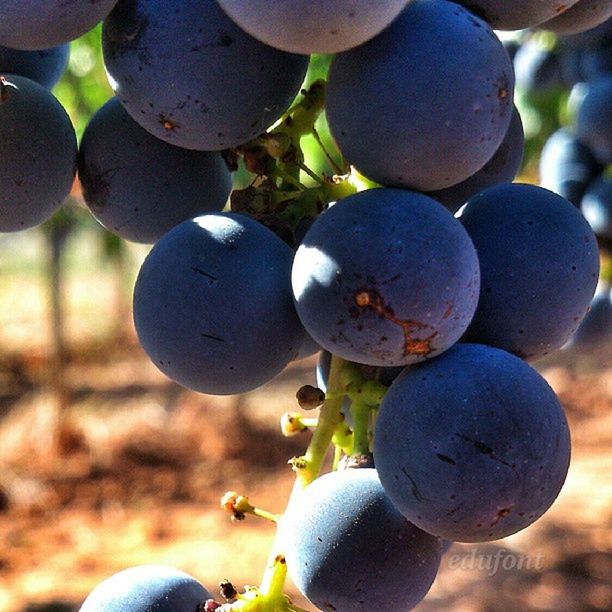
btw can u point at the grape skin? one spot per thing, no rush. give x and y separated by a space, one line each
594 119
539 266
536 70
212 304
192 77
581 17
516 14
349 549
471 446
401 109
598 36
596 207
41 24
38 151
45 66
567 166
313 26
386 277
139 186
147 588
595 331
501 168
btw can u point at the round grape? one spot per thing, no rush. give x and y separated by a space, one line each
401 108
594 120
539 266
147 588
38 151
386 277
212 304
471 446
501 168
349 549
516 14
40 24
581 17
45 66
313 26
191 76
138 186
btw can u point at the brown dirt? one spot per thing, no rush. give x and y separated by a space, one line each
139 465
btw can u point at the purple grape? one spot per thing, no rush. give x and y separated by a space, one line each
45 66
212 304
581 17
386 277
41 24
38 151
147 588
501 168
594 119
401 108
313 26
516 14
539 266
138 186
567 166
349 549
471 446
189 75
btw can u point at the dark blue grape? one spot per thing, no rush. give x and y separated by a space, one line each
471 446
38 150
139 186
349 549
501 168
41 24
596 330
147 588
567 166
539 266
190 76
589 39
386 277
401 109
212 304
581 17
536 70
596 63
594 119
515 14
313 26
570 66
596 207
308 348
45 67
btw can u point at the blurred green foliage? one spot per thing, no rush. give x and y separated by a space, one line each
84 87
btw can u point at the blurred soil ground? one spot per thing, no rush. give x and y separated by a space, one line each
133 470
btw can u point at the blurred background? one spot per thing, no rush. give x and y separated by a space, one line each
105 463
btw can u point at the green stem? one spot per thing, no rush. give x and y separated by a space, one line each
273 583
330 159
287 178
315 177
329 419
361 417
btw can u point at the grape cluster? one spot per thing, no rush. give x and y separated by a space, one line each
426 319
